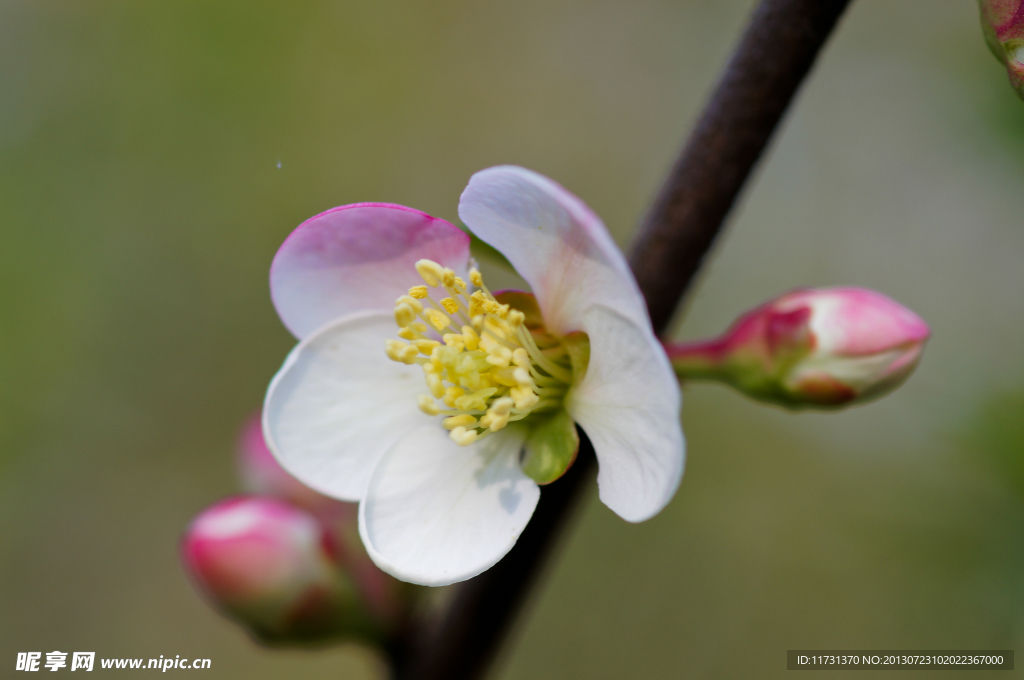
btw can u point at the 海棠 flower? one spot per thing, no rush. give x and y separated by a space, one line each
440 405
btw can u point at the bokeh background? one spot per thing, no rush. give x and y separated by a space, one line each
153 155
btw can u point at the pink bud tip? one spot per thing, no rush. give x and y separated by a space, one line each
268 564
1002 22
823 347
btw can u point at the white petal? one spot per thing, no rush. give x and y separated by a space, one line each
554 241
339 403
357 258
437 513
628 404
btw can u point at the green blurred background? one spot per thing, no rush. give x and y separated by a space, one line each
153 155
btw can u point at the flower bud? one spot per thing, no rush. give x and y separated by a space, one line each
822 348
384 597
274 568
1002 22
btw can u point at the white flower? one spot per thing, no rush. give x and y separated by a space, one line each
354 414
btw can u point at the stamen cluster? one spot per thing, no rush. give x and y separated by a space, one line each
489 368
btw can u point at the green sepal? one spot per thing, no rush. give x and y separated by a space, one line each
578 346
550 447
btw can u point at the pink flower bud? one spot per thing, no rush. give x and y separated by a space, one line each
1002 22
271 566
826 348
261 474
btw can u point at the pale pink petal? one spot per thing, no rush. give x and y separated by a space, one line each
437 513
858 321
628 404
339 403
554 241
357 258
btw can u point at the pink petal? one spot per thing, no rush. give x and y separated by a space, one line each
357 258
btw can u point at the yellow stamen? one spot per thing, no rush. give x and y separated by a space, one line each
455 341
426 346
436 385
431 272
438 320
451 394
469 338
411 301
450 305
427 405
404 315
462 436
499 355
464 420
487 374
476 303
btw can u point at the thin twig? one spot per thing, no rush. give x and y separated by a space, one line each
774 55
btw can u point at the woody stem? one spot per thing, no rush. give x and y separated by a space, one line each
774 56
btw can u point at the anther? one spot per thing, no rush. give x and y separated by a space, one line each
404 315
435 385
451 394
411 301
432 272
477 302
459 285
524 398
475 277
454 340
499 355
426 346
462 436
463 420
427 405
438 320
524 378
418 292
400 351
470 338
450 305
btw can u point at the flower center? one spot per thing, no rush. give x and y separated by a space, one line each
493 364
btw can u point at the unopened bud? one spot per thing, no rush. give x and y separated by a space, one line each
1002 22
383 597
822 348
272 567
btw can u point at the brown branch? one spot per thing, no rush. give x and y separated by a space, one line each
774 56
